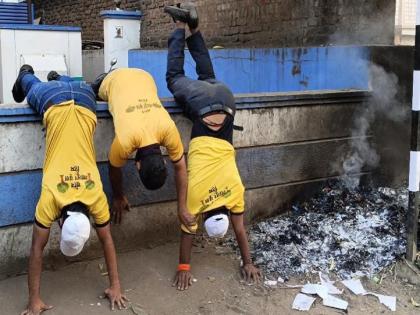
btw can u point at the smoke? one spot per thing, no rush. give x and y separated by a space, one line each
372 23
362 152
365 23
384 104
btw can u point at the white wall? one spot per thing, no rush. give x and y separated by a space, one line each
93 64
45 50
119 37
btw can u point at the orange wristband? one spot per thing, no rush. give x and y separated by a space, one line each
184 267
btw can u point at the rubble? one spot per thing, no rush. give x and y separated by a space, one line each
351 233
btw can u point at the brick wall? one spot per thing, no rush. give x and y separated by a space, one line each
245 23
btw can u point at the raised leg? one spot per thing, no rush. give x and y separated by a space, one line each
201 56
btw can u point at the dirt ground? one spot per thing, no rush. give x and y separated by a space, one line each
146 276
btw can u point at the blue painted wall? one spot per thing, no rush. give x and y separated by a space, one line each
263 166
21 190
271 70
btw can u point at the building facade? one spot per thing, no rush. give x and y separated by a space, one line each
244 23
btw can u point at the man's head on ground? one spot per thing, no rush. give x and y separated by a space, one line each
151 166
75 228
216 222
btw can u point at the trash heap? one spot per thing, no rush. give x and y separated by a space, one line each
348 232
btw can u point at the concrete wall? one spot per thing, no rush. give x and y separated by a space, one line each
245 23
281 156
93 64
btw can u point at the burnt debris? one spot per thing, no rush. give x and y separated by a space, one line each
349 232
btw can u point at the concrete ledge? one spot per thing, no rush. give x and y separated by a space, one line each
33 27
121 15
10 113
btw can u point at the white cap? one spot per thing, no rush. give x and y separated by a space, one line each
74 234
217 225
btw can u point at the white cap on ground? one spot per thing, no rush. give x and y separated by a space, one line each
74 234
217 225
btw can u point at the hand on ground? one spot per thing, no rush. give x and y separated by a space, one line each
36 307
251 273
183 280
116 298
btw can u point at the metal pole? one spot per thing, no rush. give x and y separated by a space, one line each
30 17
414 176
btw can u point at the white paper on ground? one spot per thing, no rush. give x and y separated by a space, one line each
318 289
270 283
324 277
325 281
303 302
332 301
354 286
327 299
388 301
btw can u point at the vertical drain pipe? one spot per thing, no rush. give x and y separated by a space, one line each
414 176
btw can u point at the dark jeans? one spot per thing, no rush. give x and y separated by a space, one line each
42 95
194 95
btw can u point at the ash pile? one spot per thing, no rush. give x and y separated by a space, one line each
355 232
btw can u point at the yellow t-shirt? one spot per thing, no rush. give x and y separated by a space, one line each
139 117
213 177
70 173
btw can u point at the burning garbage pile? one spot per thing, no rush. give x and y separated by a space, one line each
348 232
